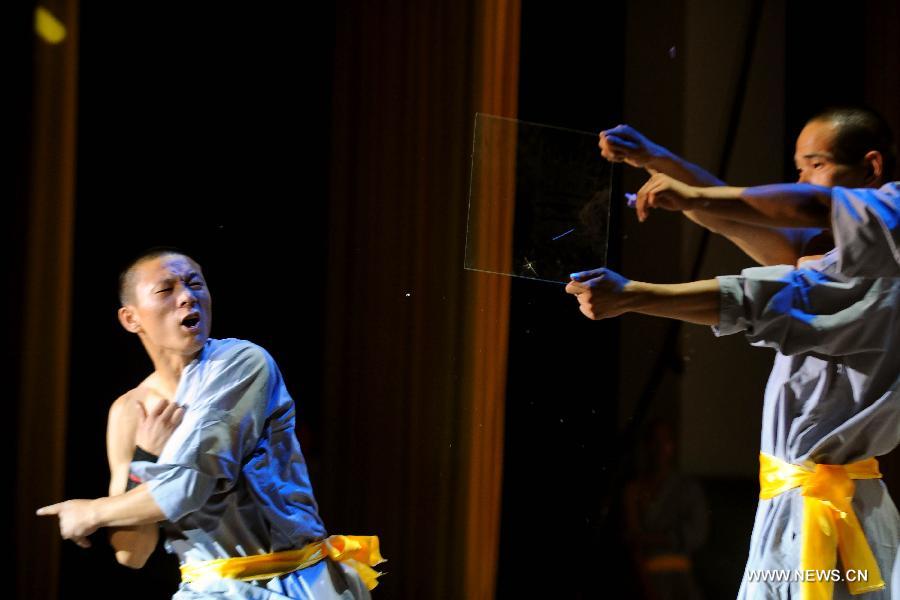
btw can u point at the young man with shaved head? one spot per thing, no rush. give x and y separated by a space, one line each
230 482
832 402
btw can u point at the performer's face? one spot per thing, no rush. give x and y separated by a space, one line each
172 308
815 162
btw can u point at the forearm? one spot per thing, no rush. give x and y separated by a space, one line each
134 545
765 245
135 507
780 205
682 170
694 302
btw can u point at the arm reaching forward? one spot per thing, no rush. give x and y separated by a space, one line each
80 518
603 294
792 310
624 143
779 205
766 245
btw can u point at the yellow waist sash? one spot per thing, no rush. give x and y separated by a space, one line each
829 523
356 551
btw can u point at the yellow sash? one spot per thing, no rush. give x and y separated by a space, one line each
357 551
829 523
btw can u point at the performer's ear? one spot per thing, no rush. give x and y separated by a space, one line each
874 166
129 319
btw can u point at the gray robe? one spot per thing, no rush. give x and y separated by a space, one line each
232 480
832 398
866 227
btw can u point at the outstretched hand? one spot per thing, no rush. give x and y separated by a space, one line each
667 193
601 293
76 520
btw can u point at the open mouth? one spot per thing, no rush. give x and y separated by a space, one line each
192 321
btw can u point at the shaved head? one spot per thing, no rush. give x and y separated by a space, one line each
127 278
858 130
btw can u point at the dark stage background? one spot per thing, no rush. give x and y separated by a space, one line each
315 160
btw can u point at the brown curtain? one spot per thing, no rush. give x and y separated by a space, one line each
416 346
46 309
487 308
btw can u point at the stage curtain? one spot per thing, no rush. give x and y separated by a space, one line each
45 313
416 346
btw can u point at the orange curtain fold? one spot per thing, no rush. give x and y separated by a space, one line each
487 308
46 305
416 346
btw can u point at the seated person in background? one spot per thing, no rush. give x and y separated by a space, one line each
666 519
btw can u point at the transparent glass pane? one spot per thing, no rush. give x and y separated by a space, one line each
538 200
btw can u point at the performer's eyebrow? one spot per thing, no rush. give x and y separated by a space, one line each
813 155
171 280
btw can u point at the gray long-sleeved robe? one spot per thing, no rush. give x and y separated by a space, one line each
232 480
866 227
832 397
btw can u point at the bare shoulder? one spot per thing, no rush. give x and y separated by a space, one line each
121 424
129 404
122 408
